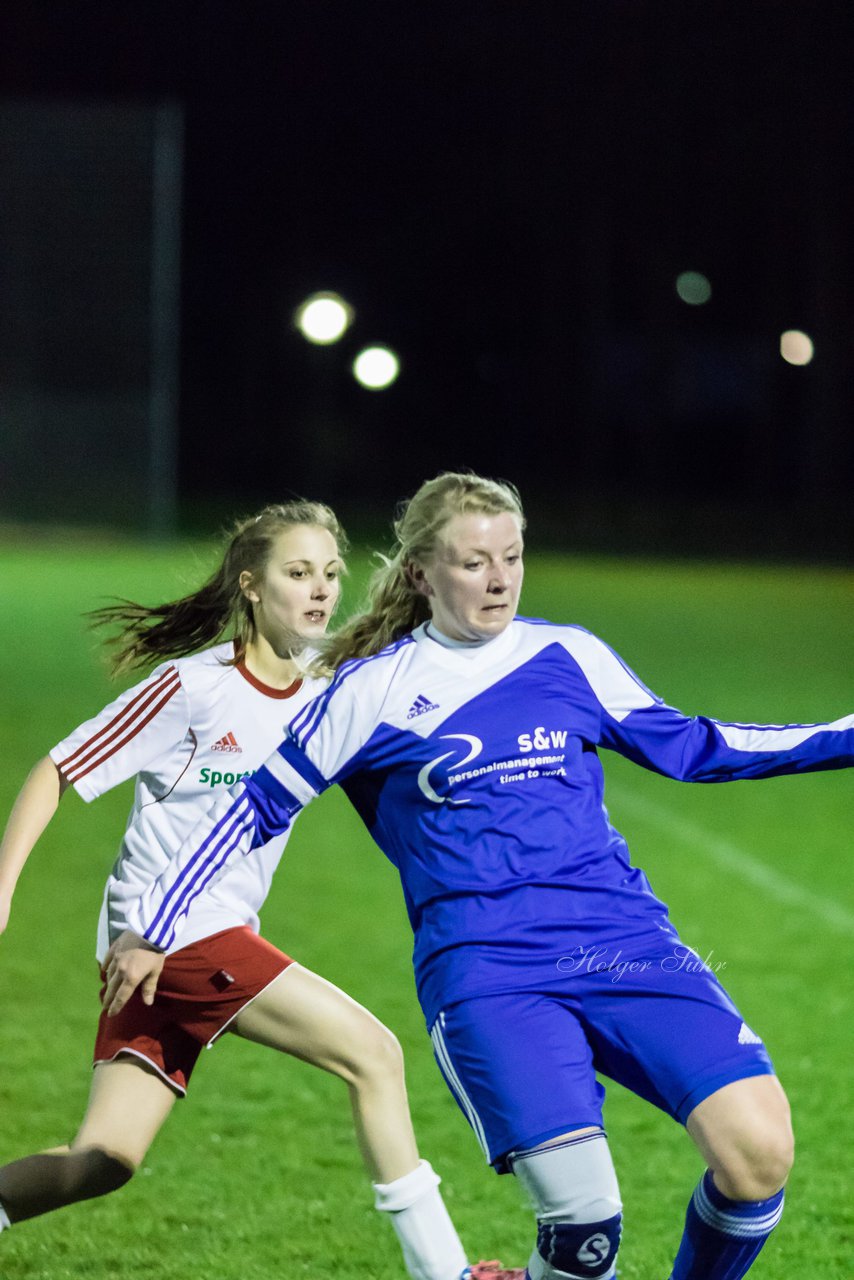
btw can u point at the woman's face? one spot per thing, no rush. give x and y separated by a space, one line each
299 587
474 579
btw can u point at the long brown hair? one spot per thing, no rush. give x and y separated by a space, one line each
150 633
394 606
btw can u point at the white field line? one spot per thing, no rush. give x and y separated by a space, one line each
734 859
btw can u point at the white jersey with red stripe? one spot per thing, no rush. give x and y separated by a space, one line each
187 733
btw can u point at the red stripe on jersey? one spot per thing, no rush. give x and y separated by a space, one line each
116 742
145 694
125 726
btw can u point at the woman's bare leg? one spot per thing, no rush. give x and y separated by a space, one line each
744 1134
302 1014
128 1103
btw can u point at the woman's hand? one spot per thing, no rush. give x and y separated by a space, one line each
130 961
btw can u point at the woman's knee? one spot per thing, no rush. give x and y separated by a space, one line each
375 1057
756 1167
744 1132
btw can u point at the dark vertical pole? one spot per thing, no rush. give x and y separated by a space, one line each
165 320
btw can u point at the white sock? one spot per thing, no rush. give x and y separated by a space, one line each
4 1218
429 1241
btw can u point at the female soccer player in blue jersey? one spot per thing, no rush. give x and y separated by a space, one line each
188 729
468 740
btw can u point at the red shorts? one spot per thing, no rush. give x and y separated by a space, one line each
201 989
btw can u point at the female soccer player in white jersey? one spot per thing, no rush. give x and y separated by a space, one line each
468 740
201 720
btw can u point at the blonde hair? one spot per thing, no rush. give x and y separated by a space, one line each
394 605
150 633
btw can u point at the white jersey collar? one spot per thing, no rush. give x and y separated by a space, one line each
462 657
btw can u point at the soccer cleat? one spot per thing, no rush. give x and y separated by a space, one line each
493 1271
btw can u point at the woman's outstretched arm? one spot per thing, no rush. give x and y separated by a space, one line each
35 805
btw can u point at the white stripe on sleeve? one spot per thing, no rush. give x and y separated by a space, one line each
615 687
293 782
769 737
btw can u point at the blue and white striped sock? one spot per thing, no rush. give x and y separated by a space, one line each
723 1237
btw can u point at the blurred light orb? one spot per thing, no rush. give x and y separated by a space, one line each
796 347
323 318
693 287
376 368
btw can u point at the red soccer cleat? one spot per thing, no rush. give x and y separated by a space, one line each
494 1271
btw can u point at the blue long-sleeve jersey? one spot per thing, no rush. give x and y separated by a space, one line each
477 772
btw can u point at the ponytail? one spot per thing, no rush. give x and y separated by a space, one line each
392 609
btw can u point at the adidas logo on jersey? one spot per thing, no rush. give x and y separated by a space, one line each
420 707
746 1036
227 743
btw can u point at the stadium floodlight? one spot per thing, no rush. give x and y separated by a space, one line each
693 287
796 347
323 318
376 368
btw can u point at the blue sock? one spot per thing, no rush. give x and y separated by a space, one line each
723 1237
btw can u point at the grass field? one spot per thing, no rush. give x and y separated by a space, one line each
255 1176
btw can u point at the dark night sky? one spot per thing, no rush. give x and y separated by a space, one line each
506 192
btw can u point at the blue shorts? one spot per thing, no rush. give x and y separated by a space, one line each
522 1064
